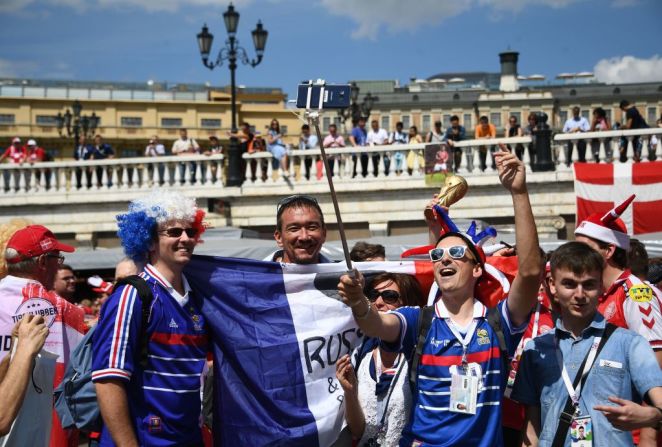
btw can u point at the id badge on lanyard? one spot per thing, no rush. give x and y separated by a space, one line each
581 427
466 378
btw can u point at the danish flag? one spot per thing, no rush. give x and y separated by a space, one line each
599 187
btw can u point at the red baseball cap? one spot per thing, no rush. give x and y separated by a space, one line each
35 240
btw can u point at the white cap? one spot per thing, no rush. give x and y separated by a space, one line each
16 140
32 143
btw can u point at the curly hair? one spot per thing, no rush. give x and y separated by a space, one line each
137 228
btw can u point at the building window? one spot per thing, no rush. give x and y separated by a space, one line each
213 123
45 120
467 121
325 123
283 130
563 117
171 122
585 113
131 121
495 118
386 122
652 116
7 118
426 124
446 121
608 115
406 121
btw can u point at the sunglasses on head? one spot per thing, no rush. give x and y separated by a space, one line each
388 296
455 252
295 198
177 232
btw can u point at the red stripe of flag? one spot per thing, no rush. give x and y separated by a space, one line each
587 207
594 173
642 210
179 339
647 173
449 360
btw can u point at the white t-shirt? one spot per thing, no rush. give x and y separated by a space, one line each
155 150
180 146
378 138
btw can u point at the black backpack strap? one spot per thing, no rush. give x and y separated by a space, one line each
146 298
494 320
424 322
568 413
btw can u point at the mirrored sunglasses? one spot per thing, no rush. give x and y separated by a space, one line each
388 296
455 252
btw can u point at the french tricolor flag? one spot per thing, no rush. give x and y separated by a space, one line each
277 332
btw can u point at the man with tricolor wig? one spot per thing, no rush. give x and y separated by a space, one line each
627 301
153 398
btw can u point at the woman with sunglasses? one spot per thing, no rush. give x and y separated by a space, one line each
377 395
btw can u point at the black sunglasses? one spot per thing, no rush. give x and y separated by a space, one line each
388 296
177 232
296 198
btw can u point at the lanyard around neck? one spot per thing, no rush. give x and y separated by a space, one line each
464 341
573 392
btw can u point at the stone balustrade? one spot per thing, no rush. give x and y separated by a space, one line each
611 145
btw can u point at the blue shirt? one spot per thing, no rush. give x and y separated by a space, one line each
164 398
431 421
459 136
626 367
103 151
360 136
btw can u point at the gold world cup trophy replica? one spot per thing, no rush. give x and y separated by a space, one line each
455 187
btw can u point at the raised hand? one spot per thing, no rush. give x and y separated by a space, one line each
32 333
350 288
346 375
512 172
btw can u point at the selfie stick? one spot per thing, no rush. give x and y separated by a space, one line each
314 118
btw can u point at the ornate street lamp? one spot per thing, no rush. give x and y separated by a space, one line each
230 52
356 110
75 123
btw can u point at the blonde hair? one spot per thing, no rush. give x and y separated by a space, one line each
7 230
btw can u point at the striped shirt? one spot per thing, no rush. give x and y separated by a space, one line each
164 398
431 422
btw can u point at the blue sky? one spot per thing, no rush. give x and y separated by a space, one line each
338 40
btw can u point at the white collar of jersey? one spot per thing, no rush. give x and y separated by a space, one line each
181 299
440 309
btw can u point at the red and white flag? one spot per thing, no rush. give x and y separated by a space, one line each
599 187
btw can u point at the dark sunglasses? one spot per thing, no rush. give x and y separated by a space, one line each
296 198
388 296
177 232
455 252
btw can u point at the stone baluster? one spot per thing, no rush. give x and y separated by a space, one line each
125 177
43 173
198 173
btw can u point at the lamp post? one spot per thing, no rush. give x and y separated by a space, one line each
75 123
231 52
356 110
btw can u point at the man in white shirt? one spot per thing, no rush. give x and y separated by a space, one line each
576 124
185 146
378 137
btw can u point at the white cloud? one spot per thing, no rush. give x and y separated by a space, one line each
17 69
147 5
399 15
14 5
629 69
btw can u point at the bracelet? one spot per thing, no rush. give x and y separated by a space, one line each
365 314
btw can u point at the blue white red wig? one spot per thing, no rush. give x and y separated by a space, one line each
137 228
